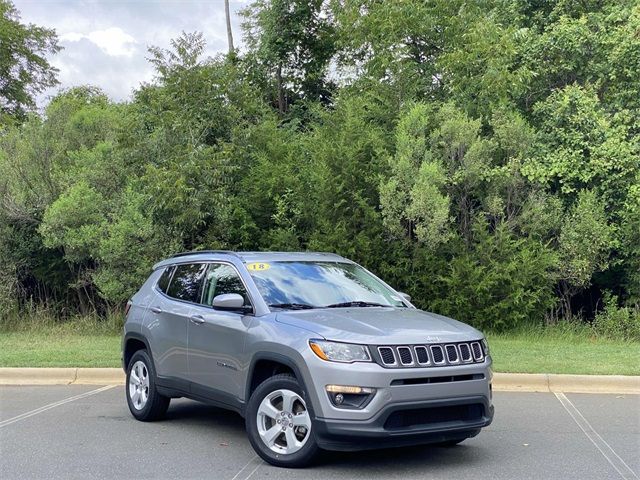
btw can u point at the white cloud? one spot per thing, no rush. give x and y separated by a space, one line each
113 41
105 41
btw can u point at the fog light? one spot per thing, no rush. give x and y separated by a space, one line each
349 396
350 389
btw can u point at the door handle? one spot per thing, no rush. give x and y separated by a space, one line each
197 319
156 309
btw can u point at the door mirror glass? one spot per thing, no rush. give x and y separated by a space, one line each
228 301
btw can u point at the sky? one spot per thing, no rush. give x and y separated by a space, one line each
105 41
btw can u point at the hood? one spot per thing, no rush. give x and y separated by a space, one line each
380 325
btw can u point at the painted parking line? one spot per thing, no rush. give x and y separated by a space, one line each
612 457
31 413
253 471
242 474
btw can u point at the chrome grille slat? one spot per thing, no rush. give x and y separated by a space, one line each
465 353
387 355
437 354
476 348
405 356
452 354
422 355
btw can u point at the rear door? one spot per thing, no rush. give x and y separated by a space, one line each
168 316
216 338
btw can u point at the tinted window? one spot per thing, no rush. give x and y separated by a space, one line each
222 279
186 282
163 283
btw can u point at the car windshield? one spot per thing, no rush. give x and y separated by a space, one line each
300 285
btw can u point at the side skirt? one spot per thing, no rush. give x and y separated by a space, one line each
176 388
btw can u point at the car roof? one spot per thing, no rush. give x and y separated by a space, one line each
250 257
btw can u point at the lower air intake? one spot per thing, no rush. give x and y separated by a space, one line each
429 416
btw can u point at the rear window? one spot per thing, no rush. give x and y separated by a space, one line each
163 283
187 281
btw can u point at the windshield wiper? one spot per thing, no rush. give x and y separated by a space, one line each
292 306
356 303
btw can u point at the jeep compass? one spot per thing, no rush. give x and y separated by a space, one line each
313 350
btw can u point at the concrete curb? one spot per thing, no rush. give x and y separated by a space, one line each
502 382
549 382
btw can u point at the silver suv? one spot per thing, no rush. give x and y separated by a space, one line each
314 351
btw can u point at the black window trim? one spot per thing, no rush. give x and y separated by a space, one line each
208 263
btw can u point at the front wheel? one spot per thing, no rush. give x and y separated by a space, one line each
145 403
279 423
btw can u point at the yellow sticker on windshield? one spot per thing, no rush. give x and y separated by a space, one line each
258 266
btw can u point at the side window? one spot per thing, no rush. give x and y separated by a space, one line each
222 279
187 281
163 283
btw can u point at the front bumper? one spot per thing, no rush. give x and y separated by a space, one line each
429 408
383 430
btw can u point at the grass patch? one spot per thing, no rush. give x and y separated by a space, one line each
40 340
44 349
553 353
564 349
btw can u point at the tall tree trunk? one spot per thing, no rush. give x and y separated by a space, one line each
229 32
281 105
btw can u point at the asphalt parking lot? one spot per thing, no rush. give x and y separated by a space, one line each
69 432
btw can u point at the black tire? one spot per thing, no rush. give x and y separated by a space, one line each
309 450
156 404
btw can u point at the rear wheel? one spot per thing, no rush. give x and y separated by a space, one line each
145 403
279 422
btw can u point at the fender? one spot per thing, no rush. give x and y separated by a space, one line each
135 336
275 357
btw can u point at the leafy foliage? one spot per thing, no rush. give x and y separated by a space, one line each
24 68
481 156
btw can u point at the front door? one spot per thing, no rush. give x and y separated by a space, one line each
216 338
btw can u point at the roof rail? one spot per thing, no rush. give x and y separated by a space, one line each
196 252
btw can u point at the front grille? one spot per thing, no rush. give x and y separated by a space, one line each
405 355
477 351
428 355
387 356
465 352
429 416
452 353
422 355
437 354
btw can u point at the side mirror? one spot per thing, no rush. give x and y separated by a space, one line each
228 301
406 296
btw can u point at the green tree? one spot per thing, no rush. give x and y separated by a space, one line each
584 245
412 198
290 44
24 68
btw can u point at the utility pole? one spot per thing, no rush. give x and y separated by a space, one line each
229 32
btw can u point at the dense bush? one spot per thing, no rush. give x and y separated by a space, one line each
617 322
483 157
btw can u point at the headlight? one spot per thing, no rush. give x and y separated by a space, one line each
340 352
485 347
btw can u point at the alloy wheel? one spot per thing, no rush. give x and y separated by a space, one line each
283 421
139 385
